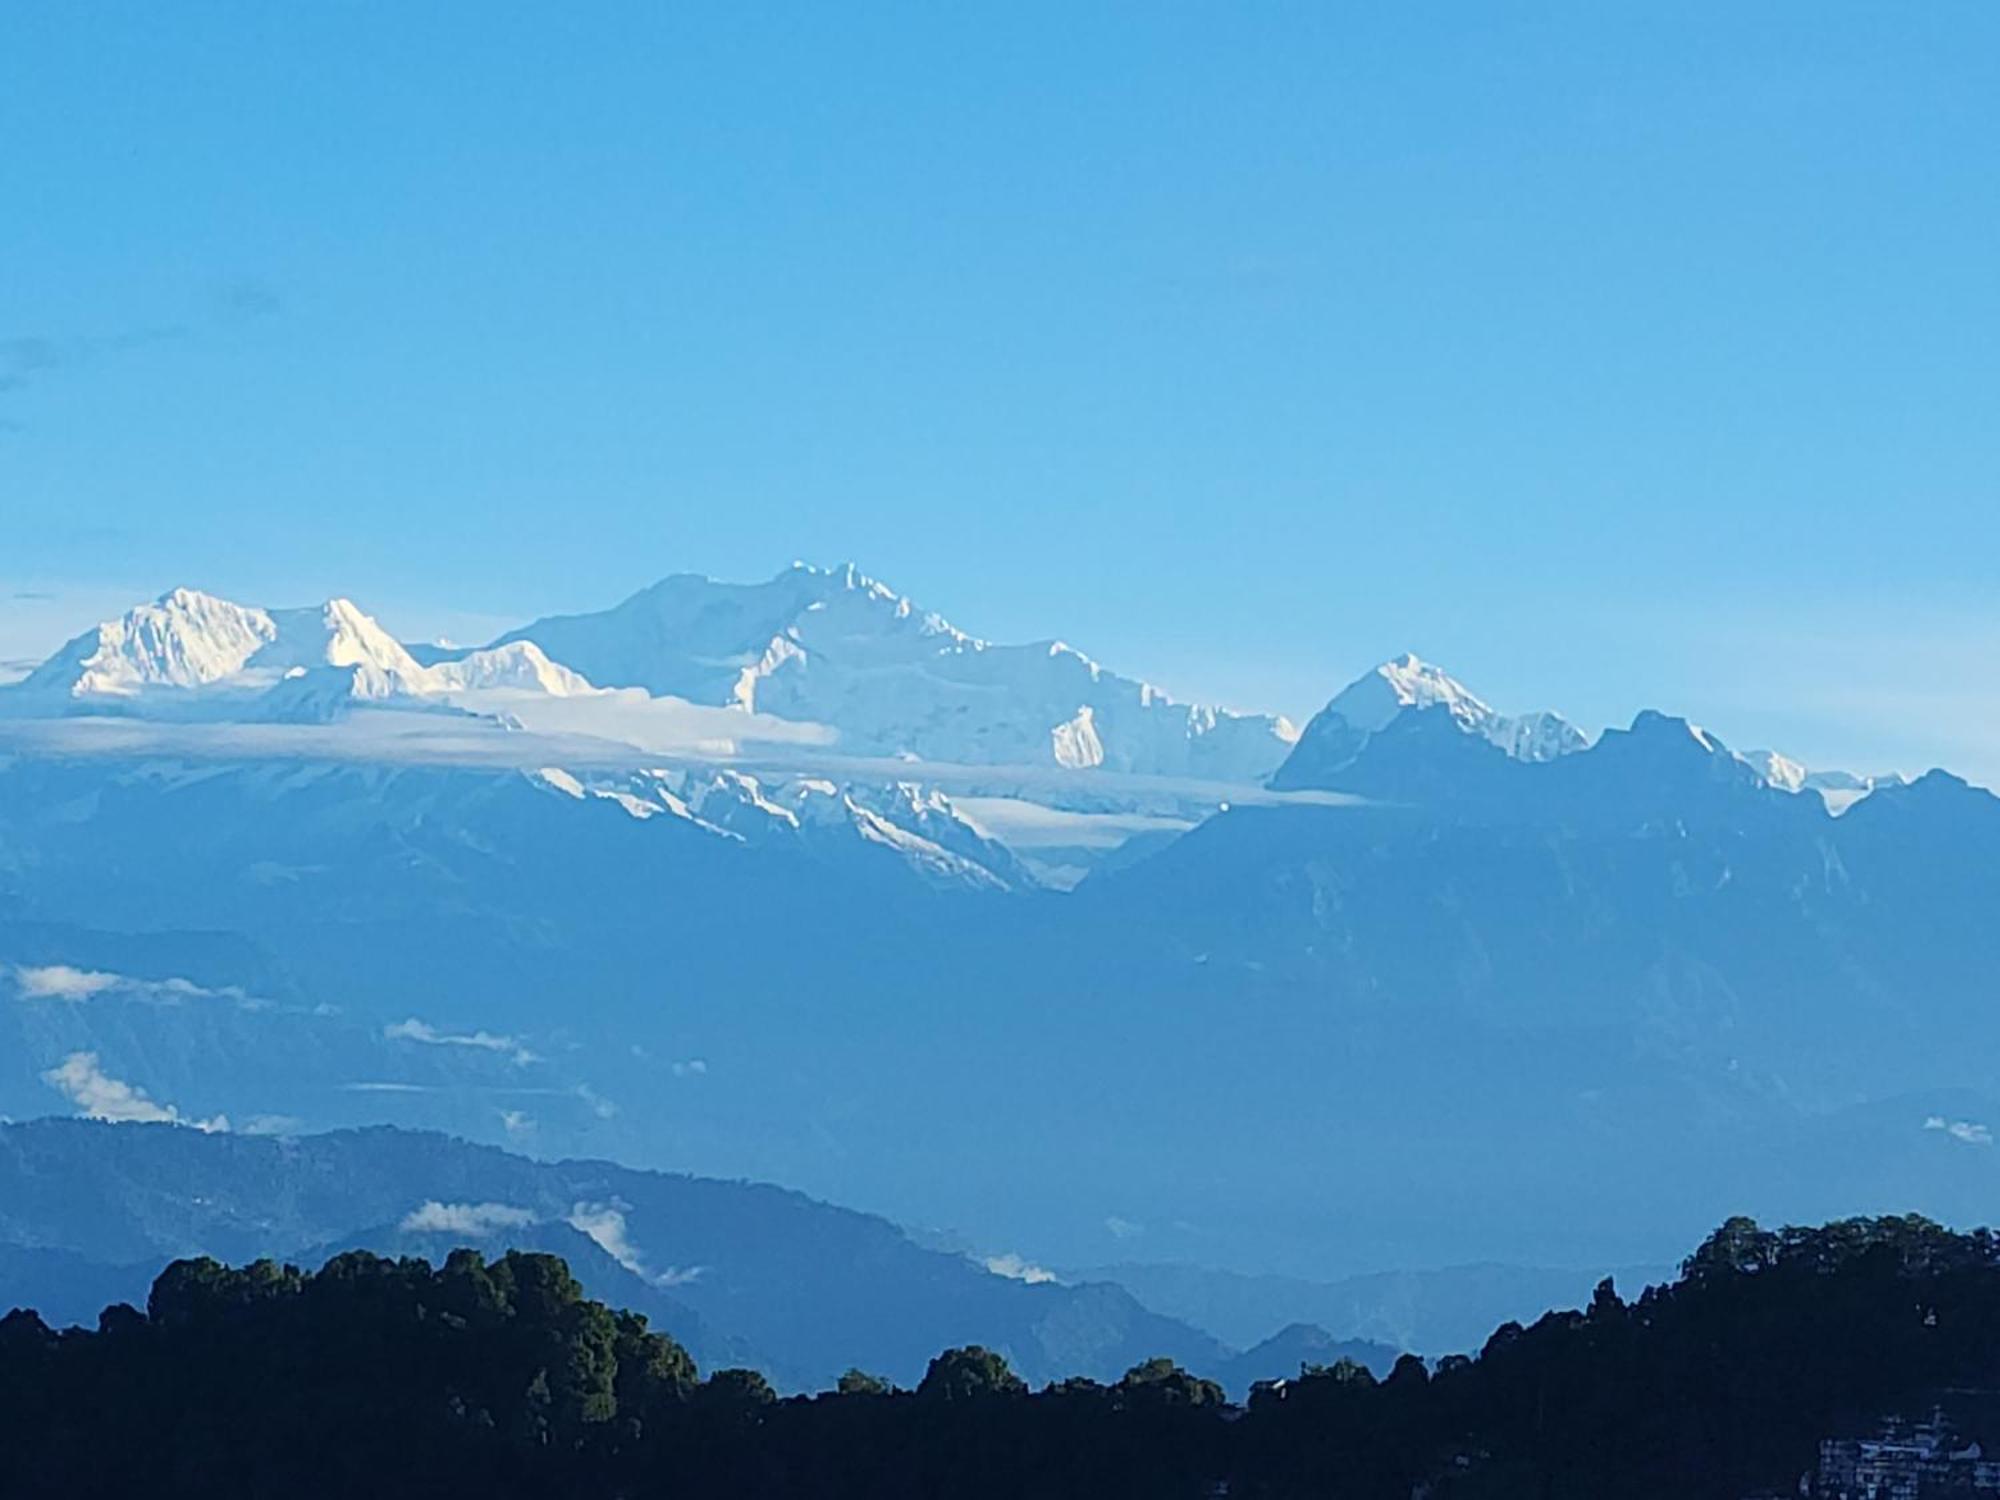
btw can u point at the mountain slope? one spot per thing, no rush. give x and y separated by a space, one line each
1653 882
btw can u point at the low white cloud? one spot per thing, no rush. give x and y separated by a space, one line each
61 982
517 1123
499 727
1014 1268
693 1067
476 1219
1969 1131
597 733
67 983
81 1079
1021 824
271 1125
604 1223
1123 1229
600 1106
634 718
414 1030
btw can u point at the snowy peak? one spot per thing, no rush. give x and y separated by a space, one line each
1537 736
1656 734
187 640
1778 771
837 647
690 637
1407 681
520 666
335 634
1405 684
183 639
1839 790
851 826
319 695
190 652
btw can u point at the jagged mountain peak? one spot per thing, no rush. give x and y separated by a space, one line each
183 598
838 647
851 577
872 594
187 638
1661 750
518 664
1652 726
701 614
184 638
337 633
306 664
829 646
1409 684
1779 771
904 822
1407 681
318 695
1935 788
1839 790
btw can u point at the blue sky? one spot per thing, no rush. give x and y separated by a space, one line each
1611 355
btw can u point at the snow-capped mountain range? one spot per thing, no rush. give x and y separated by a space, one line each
824 646
299 664
187 639
829 649
1425 932
836 647
905 821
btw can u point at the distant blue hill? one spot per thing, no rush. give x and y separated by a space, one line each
739 1273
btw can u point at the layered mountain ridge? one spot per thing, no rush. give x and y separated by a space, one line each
1600 991
738 1272
826 647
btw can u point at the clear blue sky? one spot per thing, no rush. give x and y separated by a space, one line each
1610 354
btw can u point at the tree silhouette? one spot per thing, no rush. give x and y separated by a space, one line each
499 1379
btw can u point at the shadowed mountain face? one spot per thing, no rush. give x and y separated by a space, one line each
1607 984
1654 886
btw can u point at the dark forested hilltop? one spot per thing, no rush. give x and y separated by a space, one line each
391 1377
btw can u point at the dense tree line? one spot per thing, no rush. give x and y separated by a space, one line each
376 1377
